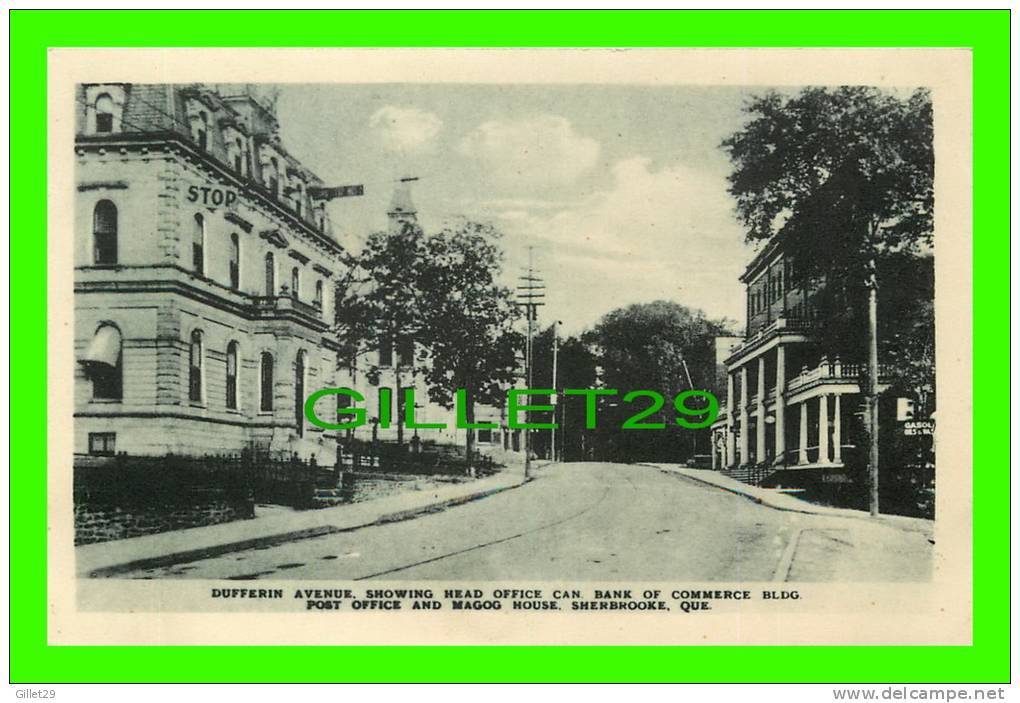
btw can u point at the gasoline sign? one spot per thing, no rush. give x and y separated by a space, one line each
919 427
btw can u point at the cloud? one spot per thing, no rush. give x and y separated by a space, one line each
653 233
405 129
537 151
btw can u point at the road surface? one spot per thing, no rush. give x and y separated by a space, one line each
593 522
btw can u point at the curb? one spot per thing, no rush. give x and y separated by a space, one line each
284 537
806 510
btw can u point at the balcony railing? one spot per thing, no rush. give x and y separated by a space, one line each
282 303
789 324
831 370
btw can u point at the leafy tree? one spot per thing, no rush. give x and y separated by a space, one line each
575 368
844 176
654 346
379 304
468 319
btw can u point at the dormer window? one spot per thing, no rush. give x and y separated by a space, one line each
299 195
273 177
200 126
239 156
104 113
104 105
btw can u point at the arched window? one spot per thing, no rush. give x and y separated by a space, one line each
102 361
299 393
295 283
198 244
104 233
104 113
235 261
266 382
195 368
318 295
270 274
232 376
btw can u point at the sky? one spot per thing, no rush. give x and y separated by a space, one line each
621 190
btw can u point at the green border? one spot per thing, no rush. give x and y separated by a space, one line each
986 32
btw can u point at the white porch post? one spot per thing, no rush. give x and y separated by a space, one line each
759 433
823 429
780 404
731 423
744 419
837 432
802 449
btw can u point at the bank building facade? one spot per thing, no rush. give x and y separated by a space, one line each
204 261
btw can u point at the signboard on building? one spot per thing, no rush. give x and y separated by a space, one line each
919 427
212 195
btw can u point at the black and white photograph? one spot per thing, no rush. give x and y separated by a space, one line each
413 344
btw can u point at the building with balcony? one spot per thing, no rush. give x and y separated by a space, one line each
203 266
792 406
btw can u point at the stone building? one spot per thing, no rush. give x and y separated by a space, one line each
203 264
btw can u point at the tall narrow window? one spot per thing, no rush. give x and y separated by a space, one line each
232 376
104 113
405 352
318 295
266 382
195 368
239 156
299 393
198 244
299 195
235 261
202 130
274 178
104 233
295 283
270 274
386 353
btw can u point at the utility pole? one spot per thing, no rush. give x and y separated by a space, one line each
690 384
872 398
554 399
529 295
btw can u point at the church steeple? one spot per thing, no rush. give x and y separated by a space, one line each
402 210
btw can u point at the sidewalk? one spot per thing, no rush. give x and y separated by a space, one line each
779 500
120 556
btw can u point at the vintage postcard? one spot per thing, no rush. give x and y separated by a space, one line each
465 346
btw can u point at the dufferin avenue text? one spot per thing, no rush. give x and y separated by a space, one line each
679 599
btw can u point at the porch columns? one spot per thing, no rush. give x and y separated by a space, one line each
823 429
744 419
731 423
780 404
802 448
759 434
837 433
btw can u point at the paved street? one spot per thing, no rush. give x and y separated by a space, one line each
593 522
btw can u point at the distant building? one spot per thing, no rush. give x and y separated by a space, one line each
396 361
203 264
